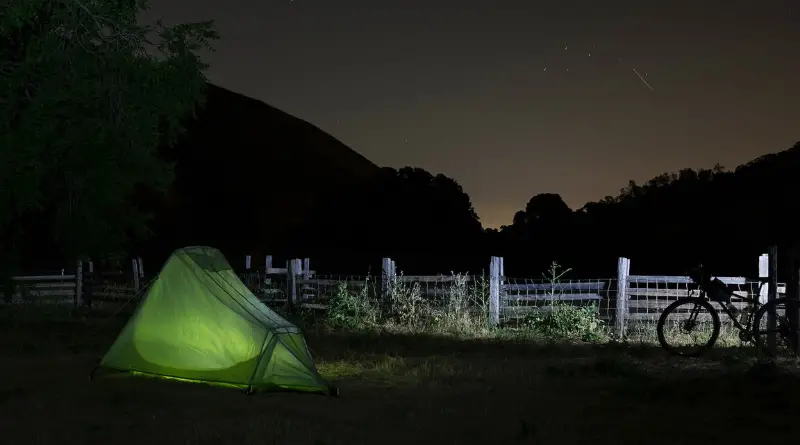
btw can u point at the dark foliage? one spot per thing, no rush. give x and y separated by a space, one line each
723 219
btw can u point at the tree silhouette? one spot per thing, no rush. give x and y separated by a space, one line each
721 218
421 220
86 101
546 208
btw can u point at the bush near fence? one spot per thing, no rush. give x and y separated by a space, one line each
510 300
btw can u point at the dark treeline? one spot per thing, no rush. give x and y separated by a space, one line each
723 219
252 180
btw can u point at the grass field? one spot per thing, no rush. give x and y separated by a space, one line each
397 389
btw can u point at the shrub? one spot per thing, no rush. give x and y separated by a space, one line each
565 321
353 310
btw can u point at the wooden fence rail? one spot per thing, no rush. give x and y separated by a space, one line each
81 288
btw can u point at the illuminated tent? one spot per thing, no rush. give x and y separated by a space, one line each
198 322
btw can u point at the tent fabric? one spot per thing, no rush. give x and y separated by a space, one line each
199 322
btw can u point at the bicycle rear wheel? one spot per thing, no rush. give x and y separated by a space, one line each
785 335
688 327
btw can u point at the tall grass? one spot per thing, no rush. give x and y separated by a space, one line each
463 311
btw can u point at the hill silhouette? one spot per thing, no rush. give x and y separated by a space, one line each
251 179
247 174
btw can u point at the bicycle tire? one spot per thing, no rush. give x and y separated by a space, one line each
758 339
675 305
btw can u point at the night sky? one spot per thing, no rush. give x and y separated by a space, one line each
518 97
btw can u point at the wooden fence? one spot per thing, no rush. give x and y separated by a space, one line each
508 299
83 287
620 300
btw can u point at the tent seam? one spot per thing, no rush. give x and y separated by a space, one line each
258 362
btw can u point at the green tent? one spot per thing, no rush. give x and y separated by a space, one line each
198 322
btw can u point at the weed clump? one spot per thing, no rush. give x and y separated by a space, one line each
353 309
458 305
562 320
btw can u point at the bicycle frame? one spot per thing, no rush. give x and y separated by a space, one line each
755 302
697 291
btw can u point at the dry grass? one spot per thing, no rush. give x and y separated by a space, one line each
395 389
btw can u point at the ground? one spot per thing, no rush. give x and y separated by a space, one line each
396 389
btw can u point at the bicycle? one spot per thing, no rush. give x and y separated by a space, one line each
754 314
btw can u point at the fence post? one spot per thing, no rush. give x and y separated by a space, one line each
306 268
247 263
495 267
135 275
88 285
141 267
502 283
298 276
291 282
79 285
623 270
388 275
772 295
792 298
763 278
268 263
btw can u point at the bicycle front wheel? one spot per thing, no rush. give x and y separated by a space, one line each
688 327
785 335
